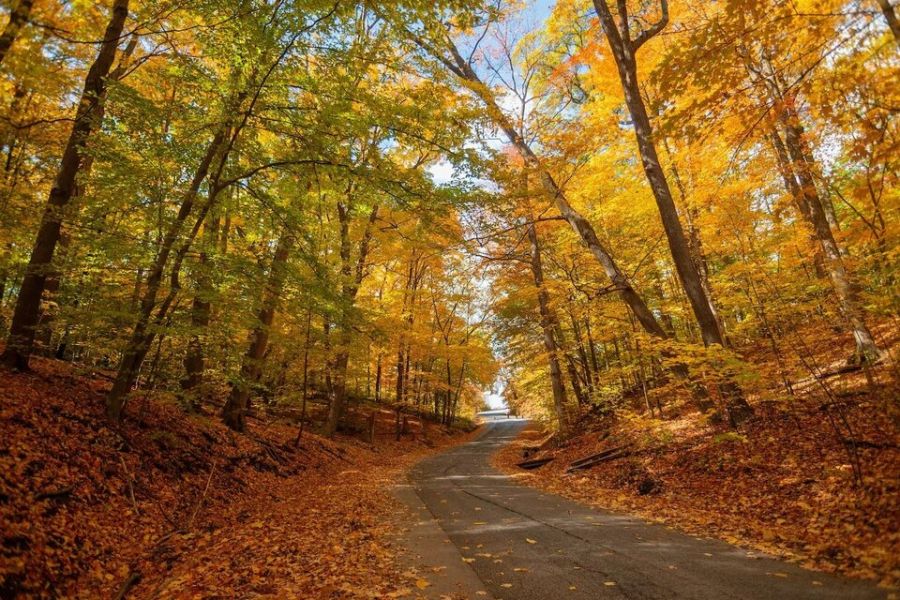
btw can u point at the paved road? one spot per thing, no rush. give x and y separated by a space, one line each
525 544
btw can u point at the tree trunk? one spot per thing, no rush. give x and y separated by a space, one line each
251 366
793 188
25 317
548 326
844 287
579 224
623 50
623 54
17 19
201 307
891 17
142 335
694 241
351 280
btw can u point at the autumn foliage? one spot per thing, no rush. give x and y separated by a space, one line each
303 218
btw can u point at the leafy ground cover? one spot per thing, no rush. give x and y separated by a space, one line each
783 484
173 505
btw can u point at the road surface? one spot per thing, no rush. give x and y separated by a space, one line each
523 544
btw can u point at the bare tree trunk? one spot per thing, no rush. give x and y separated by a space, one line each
251 366
351 280
548 326
891 17
17 19
845 288
25 317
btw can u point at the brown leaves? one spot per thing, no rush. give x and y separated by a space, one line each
306 526
783 488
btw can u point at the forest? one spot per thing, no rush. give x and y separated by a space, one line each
261 246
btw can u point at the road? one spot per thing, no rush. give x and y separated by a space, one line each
526 544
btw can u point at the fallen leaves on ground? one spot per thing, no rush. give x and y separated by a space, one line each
178 506
782 486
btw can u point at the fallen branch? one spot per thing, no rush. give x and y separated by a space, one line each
202 498
130 481
133 579
528 465
595 459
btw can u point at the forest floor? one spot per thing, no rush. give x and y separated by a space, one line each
177 506
783 484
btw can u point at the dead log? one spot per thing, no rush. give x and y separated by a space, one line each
595 459
528 465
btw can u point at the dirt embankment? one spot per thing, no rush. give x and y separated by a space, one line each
784 484
176 506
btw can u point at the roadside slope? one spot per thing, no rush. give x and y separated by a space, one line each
174 505
526 544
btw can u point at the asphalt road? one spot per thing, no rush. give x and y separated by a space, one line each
525 544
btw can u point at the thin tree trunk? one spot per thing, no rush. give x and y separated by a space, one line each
305 388
378 378
891 17
201 308
142 336
25 317
548 327
251 366
844 286
351 281
17 20
793 188
694 241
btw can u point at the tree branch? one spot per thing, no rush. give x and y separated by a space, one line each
653 29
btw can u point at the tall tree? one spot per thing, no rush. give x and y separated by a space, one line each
235 409
624 49
25 318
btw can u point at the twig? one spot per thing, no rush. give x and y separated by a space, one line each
202 498
130 485
133 578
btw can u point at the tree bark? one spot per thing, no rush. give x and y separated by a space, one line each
548 327
623 50
235 409
17 20
20 343
891 17
351 281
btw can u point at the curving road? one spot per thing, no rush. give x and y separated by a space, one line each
525 544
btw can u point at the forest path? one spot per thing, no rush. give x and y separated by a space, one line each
526 544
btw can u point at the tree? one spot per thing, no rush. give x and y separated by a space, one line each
25 318
18 17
